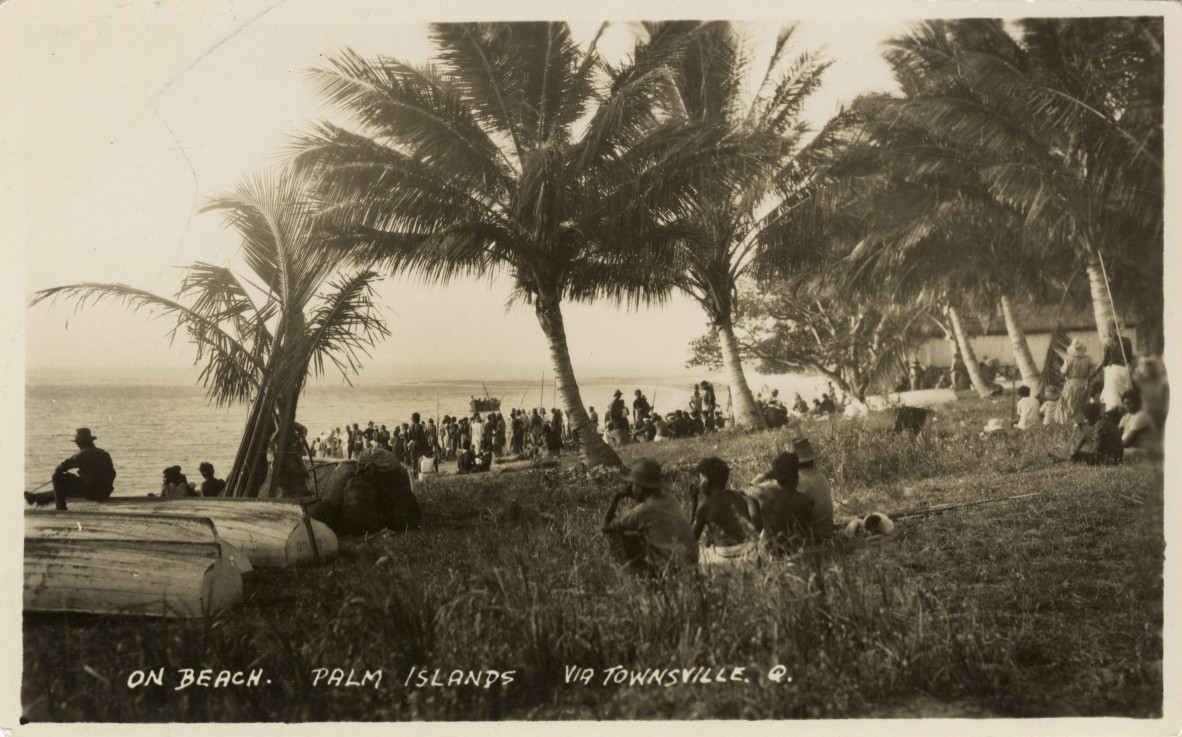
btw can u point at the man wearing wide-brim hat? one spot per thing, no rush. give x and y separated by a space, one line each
816 487
654 536
779 511
95 478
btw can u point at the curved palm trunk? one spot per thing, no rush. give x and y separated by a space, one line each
595 451
967 354
1102 308
1022 355
747 413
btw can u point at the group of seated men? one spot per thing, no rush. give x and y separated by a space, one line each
782 510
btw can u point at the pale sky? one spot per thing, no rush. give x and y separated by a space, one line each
129 114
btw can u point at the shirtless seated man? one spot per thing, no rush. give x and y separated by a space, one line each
724 516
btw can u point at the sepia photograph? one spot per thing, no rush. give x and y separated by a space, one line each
798 366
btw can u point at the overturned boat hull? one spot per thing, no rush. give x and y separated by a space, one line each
270 533
113 525
129 577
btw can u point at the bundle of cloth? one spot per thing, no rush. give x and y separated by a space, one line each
369 494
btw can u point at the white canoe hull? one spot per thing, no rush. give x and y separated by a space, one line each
269 533
114 525
127 577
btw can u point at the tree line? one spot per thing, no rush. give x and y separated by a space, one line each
1014 157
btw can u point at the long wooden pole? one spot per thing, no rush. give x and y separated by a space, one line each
924 511
1116 319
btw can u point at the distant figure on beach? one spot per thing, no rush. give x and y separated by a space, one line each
416 443
640 408
915 374
709 398
724 516
535 430
210 486
653 537
1051 410
695 403
1077 368
799 406
616 411
1117 379
660 427
594 419
95 478
1139 432
176 485
1101 444
1027 408
781 513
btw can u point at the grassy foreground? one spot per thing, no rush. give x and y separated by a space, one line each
1049 605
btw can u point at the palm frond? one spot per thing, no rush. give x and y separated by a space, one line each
232 369
343 324
417 107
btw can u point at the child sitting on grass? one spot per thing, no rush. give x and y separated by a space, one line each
1101 444
1027 408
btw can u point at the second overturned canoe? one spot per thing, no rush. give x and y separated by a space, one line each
270 533
129 577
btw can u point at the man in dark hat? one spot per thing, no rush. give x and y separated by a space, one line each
95 478
778 510
654 536
816 487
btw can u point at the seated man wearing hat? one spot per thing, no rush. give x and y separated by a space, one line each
779 511
816 487
653 537
95 478
723 516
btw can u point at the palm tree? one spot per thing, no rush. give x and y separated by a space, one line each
515 151
739 215
1067 119
260 332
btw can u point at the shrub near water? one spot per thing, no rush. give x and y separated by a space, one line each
509 574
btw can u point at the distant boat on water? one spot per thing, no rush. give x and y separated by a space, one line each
487 404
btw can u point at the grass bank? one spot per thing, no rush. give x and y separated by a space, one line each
1046 606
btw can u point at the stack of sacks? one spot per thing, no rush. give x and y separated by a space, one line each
370 494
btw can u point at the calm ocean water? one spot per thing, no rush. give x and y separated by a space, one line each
146 428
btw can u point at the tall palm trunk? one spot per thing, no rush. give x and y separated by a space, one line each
237 480
595 451
967 354
1102 307
747 413
1022 355
249 472
287 477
